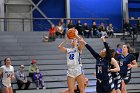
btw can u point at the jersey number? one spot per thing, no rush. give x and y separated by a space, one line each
8 75
71 57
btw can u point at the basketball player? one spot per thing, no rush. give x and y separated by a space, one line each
105 83
127 61
116 76
7 72
74 65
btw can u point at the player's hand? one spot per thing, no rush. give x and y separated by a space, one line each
82 41
103 38
129 65
12 77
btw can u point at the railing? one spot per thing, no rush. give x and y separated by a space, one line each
40 24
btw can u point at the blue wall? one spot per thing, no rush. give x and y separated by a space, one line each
134 10
111 9
52 9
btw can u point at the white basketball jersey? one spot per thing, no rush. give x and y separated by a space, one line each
7 72
73 57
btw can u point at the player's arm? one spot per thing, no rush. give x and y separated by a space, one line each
115 64
133 64
13 75
61 46
81 46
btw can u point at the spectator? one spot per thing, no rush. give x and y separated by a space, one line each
103 30
60 30
94 29
86 30
52 32
63 24
127 27
70 25
38 79
110 30
79 28
119 49
32 69
22 78
51 36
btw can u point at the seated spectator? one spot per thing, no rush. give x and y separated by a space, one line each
86 30
101 31
51 36
127 27
76 88
22 78
119 49
32 69
79 28
94 29
52 32
70 24
110 30
60 30
38 79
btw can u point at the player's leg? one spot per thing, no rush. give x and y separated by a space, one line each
71 84
10 90
81 80
123 87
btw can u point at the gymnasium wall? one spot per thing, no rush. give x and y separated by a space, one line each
52 9
111 9
134 8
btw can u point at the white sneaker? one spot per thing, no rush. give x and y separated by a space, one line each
37 88
44 87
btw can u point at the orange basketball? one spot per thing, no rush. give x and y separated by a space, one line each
71 33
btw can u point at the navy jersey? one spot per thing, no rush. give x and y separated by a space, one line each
105 81
124 61
125 72
102 67
117 79
102 64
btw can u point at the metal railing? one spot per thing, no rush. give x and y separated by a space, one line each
39 24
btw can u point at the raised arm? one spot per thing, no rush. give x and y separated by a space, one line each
95 54
108 54
61 46
81 45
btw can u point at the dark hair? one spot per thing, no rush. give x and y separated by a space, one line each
5 60
118 45
112 51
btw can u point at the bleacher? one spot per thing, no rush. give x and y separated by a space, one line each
22 47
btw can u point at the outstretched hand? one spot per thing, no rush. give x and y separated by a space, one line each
103 39
82 41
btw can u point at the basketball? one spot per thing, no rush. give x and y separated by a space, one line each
71 33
